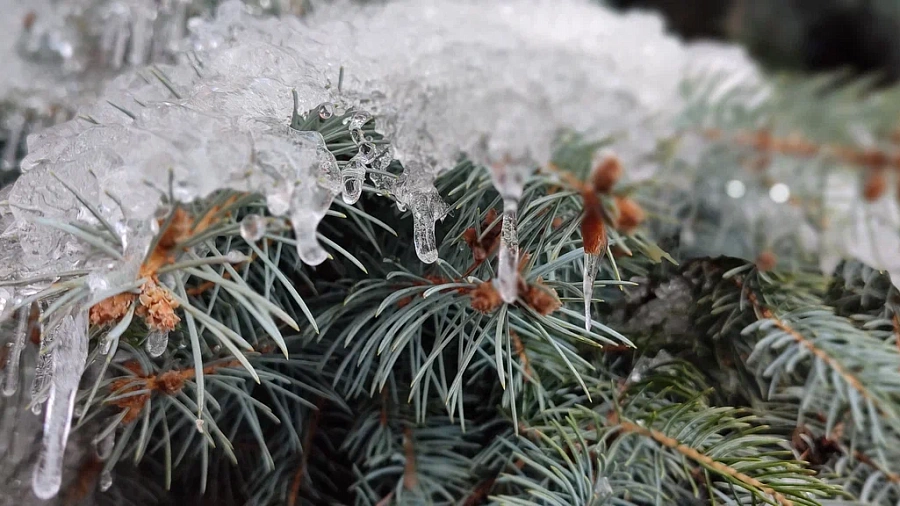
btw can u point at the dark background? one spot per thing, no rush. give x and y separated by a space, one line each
808 35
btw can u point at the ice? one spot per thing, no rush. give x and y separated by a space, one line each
352 176
106 480
15 352
157 342
438 79
253 227
591 268
43 371
68 364
509 180
104 446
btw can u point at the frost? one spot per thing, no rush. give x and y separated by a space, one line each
68 364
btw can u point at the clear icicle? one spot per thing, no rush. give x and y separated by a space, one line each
106 480
591 268
508 272
157 342
15 131
352 177
11 384
68 364
42 371
253 227
509 181
104 447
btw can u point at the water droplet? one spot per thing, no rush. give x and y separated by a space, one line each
352 176
326 110
236 257
253 227
359 119
106 480
367 152
199 425
104 447
602 488
157 342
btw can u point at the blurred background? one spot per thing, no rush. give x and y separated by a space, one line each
862 36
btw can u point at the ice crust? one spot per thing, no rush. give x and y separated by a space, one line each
494 81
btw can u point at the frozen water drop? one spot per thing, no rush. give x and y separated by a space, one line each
253 227
352 177
367 152
508 256
104 447
326 110
236 257
279 202
157 342
68 364
106 480
358 119
602 488
11 384
199 424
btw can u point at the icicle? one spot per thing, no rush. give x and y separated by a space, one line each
593 234
509 182
253 227
106 480
591 268
68 364
104 447
42 371
16 128
157 342
352 177
15 353
508 272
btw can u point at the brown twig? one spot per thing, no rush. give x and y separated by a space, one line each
704 460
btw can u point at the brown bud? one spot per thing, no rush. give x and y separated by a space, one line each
485 297
874 184
541 298
766 261
630 214
593 230
606 174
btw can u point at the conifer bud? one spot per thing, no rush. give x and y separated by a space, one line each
766 261
593 230
606 174
631 215
875 184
